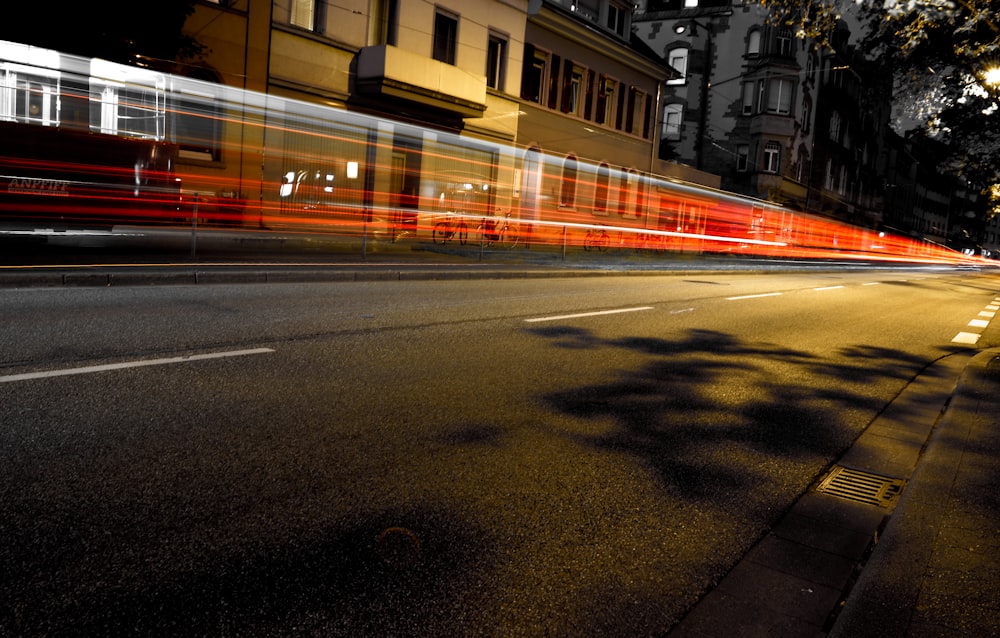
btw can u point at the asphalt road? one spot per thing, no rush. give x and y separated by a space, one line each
545 457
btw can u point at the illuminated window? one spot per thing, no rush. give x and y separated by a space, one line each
496 61
772 157
445 37
672 117
678 59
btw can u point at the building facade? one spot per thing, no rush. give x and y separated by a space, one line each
551 76
775 116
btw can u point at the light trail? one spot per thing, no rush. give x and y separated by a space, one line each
27 376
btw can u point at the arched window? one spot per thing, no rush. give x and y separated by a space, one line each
601 190
567 193
753 43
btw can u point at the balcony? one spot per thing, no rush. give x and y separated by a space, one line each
390 72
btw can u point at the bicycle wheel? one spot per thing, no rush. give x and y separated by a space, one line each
603 241
442 233
588 240
463 233
509 236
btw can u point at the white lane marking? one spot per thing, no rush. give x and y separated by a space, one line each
587 314
992 307
987 314
766 294
979 323
129 364
677 312
827 288
966 337
872 283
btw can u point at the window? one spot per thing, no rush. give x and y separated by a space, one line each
678 59
835 126
496 61
672 115
572 87
552 91
197 126
748 98
567 193
303 14
779 98
386 21
606 100
445 37
601 190
636 117
533 77
806 115
742 157
618 19
753 43
783 43
772 157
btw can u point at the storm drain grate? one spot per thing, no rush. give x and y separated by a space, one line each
863 487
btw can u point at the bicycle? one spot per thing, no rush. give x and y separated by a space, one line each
596 238
493 232
449 229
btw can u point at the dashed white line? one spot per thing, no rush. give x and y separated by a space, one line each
766 294
587 314
872 283
966 337
987 314
979 323
827 288
129 364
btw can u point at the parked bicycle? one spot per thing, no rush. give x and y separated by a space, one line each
454 227
596 238
498 231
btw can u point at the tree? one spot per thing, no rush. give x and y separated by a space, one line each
117 30
945 58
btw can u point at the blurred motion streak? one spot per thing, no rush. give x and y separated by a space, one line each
91 144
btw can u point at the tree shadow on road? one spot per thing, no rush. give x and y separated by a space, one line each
712 414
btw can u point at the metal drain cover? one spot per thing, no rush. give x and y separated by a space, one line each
863 487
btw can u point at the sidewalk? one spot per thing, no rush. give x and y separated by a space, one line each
900 539
936 570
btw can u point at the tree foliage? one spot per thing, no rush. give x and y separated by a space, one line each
118 30
944 56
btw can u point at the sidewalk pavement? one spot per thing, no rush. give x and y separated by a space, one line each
900 539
